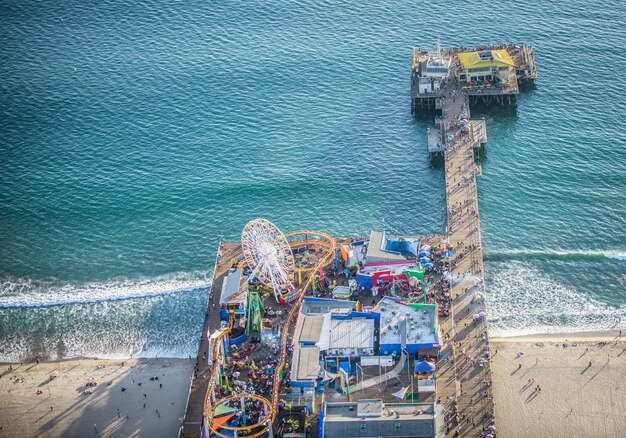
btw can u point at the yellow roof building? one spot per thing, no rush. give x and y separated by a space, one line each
485 58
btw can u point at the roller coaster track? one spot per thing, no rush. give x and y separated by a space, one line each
216 358
209 407
324 261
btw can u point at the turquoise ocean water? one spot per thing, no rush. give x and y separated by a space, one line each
133 135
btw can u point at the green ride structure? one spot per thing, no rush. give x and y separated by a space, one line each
255 313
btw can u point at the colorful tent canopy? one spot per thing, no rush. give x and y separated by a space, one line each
219 421
423 366
416 274
221 410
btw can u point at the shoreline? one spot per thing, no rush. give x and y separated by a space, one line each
596 335
33 360
589 335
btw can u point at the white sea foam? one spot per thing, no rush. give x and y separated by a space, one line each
182 352
11 351
28 293
558 254
523 300
84 345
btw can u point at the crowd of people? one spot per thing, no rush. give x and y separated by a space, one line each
466 353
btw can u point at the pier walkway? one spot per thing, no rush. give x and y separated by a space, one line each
191 426
463 381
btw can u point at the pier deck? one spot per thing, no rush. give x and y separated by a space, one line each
435 143
461 382
503 92
191 427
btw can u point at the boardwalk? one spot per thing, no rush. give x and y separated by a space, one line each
195 408
463 383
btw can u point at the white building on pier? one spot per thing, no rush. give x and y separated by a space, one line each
434 69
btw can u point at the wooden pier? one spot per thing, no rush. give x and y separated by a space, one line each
228 253
461 383
501 89
477 135
464 372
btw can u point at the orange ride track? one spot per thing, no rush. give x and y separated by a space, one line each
324 261
328 243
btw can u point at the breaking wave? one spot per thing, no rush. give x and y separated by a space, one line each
17 293
156 317
556 254
523 300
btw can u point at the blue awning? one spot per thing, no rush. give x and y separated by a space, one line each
423 366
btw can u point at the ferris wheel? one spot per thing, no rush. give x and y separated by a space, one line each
269 255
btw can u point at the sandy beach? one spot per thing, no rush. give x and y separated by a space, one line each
31 404
582 379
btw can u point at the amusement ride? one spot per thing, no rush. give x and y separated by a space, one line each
269 255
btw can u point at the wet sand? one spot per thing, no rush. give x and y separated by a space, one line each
65 406
576 400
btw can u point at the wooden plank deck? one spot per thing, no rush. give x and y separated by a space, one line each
462 382
229 251
435 144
